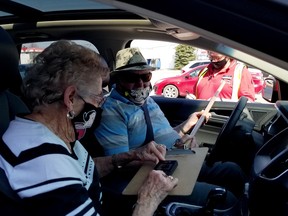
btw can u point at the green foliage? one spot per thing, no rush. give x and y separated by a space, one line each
183 55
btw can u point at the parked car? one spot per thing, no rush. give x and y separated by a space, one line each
112 25
270 88
193 64
181 85
178 86
258 79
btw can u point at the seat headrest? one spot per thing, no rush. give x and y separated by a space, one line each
10 77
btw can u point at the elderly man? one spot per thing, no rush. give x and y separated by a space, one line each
238 79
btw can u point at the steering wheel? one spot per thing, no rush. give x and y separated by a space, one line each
268 189
220 144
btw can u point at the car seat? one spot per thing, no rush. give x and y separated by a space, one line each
10 106
10 82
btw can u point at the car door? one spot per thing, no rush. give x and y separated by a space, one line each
189 80
178 110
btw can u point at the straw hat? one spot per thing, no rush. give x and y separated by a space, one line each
130 59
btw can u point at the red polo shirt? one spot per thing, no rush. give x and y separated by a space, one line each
209 83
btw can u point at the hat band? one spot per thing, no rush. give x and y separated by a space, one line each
132 65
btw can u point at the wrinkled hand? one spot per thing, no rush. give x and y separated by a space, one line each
151 152
194 117
155 189
186 142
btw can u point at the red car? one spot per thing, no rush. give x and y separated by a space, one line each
179 86
258 79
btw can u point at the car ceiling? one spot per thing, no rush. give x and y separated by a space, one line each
253 19
102 21
253 31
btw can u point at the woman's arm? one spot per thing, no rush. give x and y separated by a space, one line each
152 192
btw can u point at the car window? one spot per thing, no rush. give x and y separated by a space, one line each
30 50
165 53
195 73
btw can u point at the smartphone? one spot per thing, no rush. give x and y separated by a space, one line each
167 166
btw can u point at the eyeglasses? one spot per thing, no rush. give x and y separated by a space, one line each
98 98
134 78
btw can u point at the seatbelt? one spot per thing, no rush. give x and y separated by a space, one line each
149 133
237 80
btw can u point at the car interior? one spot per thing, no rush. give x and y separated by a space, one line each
254 135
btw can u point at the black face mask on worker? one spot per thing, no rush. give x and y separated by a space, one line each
219 64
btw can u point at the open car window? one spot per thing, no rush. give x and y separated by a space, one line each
163 57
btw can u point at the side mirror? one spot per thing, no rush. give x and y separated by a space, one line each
270 89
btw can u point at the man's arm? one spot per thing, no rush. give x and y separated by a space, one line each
112 133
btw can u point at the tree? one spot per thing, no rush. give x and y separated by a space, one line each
183 55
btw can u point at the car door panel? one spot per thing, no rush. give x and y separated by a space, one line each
188 83
178 110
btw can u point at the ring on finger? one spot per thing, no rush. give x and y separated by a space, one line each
171 177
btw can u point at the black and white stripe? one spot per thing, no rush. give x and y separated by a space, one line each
46 176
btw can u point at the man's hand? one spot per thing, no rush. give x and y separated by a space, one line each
194 117
151 152
186 142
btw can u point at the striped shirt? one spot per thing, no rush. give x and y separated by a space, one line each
123 126
46 176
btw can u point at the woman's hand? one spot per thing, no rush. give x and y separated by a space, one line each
153 191
151 152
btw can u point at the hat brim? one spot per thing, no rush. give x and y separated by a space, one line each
134 68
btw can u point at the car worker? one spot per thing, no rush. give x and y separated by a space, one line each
238 80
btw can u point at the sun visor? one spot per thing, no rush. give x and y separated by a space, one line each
179 33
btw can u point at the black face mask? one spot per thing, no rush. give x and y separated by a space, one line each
87 121
219 64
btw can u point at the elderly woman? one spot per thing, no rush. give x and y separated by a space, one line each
51 171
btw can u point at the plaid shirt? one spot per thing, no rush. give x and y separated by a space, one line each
123 126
